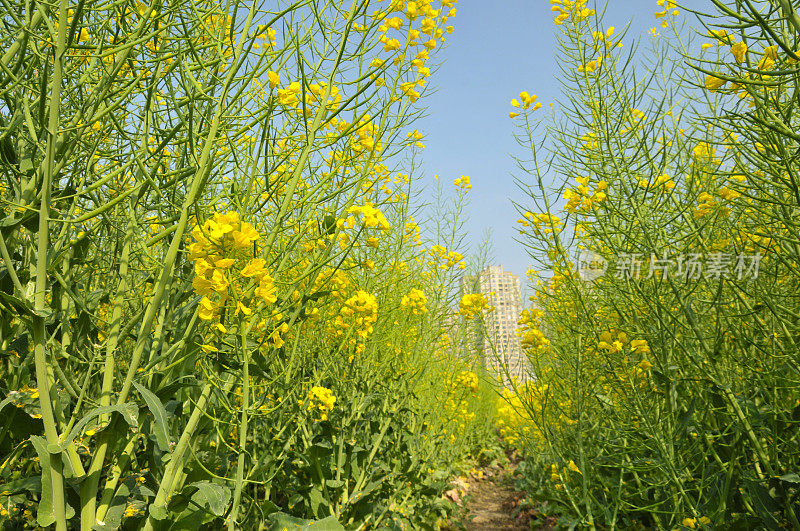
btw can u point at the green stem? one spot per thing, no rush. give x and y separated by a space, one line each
113 477
89 486
39 302
10 267
176 461
237 493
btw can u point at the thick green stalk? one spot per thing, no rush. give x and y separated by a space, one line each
113 477
36 19
39 300
237 493
587 500
89 486
176 460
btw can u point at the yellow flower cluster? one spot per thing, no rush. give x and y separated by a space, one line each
562 476
727 194
459 406
424 28
768 59
289 95
412 233
580 198
691 523
525 101
663 180
363 139
133 510
322 400
223 233
220 247
565 8
268 34
612 343
545 223
472 304
415 300
512 420
707 203
591 66
358 315
373 218
444 259
335 281
228 278
277 336
314 94
714 83
670 8
459 414
532 338
468 380
463 183
739 50
601 37
704 151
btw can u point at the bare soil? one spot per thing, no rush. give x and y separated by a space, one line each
491 503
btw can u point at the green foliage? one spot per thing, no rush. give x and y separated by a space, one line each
216 310
668 400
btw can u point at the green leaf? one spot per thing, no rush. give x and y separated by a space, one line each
604 400
763 503
5 402
358 495
128 411
21 307
158 512
317 501
184 382
212 496
334 483
160 424
31 484
281 521
685 418
329 224
267 508
45 515
294 501
326 524
116 508
201 502
790 478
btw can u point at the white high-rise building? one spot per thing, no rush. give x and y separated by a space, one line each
498 340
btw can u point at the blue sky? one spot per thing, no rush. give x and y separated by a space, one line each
498 49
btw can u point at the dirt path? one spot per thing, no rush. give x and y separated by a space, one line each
491 503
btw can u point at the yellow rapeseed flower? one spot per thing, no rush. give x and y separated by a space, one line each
472 303
321 399
739 50
274 79
713 83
